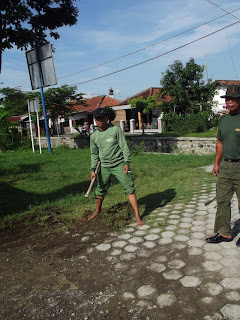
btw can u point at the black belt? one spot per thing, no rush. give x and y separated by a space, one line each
232 160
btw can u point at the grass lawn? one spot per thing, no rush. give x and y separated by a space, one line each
47 189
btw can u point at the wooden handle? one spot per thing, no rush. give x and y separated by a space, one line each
87 195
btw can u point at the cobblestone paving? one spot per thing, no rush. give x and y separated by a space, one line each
164 270
180 256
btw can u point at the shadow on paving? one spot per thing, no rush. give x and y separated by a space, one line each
155 200
14 200
236 228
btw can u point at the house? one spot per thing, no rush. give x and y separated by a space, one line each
22 121
19 118
79 112
221 88
124 111
82 111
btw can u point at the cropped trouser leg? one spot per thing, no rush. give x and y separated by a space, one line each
228 183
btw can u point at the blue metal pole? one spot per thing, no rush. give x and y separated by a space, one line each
45 117
43 101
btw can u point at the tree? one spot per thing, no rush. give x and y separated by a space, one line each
14 101
25 23
188 91
59 99
144 106
10 137
139 104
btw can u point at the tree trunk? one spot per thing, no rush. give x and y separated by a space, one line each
142 123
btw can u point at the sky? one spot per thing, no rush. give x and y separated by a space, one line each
107 30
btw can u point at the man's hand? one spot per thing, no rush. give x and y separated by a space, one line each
215 170
93 175
126 169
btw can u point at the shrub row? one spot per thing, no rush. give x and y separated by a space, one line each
187 123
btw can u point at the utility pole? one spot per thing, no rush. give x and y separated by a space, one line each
206 66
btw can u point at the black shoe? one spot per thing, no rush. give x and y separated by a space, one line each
218 238
238 243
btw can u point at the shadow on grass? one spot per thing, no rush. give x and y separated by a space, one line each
21 169
14 200
156 200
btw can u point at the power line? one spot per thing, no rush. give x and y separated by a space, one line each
224 10
163 54
147 47
229 47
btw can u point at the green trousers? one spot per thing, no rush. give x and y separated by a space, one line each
228 183
104 177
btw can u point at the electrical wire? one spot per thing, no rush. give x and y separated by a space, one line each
156 57
131 53
147 47
229 47
224 10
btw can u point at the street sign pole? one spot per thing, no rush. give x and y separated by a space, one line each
43 100
31 131
42 74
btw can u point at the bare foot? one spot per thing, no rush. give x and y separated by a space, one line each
140 222
93 216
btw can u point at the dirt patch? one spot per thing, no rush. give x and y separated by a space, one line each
47 274
34 260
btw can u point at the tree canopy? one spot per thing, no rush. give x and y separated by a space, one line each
57 99
25 23
188 91
144 105
14 101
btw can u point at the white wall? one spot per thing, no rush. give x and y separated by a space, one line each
220 102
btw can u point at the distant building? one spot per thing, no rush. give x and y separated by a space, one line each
221 88
124 111
82 111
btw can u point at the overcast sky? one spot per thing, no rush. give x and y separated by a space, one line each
107 30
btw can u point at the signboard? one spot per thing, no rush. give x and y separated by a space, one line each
33 105
46 68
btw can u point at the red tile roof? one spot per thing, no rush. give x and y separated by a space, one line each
17 118
152 91
91 104
227 82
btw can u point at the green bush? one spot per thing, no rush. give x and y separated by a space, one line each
10 138
186 123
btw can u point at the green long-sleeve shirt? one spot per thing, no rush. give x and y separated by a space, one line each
110 147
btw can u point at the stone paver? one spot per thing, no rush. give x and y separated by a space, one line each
146 291
182 273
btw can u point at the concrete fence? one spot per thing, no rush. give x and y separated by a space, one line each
148 144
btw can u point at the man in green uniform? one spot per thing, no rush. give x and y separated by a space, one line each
108 145
227 165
